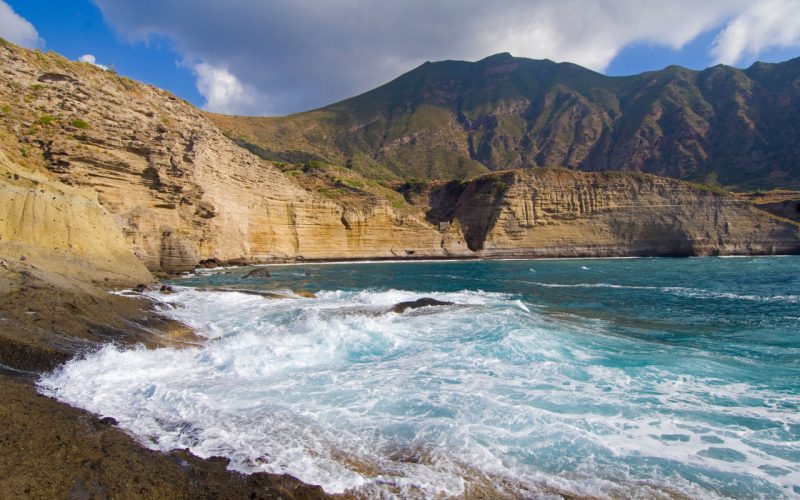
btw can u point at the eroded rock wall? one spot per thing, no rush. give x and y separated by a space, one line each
61 228
180 191
565 213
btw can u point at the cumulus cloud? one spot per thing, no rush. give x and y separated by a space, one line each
89 58
17 29
764 25
224 93
300 54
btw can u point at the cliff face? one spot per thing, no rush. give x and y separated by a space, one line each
453 119
180 192
782 203
562 213
61 228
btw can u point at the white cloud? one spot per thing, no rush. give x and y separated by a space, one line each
300 54
764 25
17 29
89 58
224 93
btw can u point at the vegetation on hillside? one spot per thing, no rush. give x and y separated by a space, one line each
456 120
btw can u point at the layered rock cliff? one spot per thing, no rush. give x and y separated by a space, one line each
562 213
61 228
181 193
179 190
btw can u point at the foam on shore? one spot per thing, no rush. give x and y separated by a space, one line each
340 392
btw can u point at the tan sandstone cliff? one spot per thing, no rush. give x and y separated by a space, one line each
61 228
562 213
181 192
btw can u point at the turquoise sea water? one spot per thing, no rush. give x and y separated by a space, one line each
614 378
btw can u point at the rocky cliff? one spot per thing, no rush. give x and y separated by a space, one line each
61 228
182 194
179 190
562 213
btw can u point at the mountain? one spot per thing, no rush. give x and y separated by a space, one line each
454 120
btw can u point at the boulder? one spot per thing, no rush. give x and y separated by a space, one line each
108 421
209 264
259 272
400 307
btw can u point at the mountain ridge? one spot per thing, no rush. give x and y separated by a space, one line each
456 119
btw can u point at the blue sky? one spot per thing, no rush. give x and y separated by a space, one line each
280 56
76 27
639 57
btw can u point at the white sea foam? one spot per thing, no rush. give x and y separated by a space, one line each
709 294
590 285
340 392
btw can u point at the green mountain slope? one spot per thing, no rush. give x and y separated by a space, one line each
455 119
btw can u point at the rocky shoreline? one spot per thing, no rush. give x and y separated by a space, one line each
51 450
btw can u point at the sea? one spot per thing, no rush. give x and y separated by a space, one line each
602 378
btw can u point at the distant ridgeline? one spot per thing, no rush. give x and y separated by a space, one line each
454 120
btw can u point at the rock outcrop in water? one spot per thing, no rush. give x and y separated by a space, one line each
259 272
402 307
182 194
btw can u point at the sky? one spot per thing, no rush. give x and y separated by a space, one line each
276 57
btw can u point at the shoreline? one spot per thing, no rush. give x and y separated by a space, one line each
49 449
433 259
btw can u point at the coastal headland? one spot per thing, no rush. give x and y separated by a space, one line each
107 184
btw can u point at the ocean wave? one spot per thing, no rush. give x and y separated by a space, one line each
591 285
679 291
709 294
421 405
